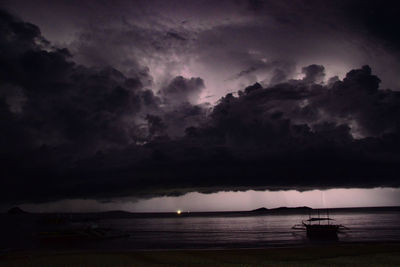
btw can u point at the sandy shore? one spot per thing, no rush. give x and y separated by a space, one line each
362 254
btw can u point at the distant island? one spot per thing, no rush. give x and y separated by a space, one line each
16 210
265 210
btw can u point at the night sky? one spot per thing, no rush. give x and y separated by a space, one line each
128 102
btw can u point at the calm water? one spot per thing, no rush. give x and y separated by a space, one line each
216 231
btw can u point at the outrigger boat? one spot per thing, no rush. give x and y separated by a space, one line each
320 228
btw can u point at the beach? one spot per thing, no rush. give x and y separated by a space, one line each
359 254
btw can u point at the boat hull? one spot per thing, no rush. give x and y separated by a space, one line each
322 232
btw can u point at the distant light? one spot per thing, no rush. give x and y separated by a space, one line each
178 212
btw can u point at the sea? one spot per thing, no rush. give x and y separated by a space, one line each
205 230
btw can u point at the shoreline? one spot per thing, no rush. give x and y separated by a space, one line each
310 245
363 253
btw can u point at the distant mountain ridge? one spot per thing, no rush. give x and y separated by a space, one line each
16 210
263 209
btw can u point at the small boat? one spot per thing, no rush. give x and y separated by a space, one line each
320 228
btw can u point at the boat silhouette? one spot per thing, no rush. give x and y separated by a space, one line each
320 228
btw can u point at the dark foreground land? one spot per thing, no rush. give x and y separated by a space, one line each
372 254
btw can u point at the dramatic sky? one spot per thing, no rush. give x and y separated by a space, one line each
156 105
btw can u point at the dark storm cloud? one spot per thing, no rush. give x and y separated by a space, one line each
176 36
216 41
59 103
62 102
55 112
72 131
284 137
181 90
313 73
280 69
380 19
256 141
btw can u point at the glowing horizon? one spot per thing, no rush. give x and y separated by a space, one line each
232 201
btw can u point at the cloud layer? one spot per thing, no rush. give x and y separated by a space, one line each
229 44
72 131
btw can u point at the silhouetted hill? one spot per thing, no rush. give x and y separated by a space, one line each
281 209
291 208
16 210
263 209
